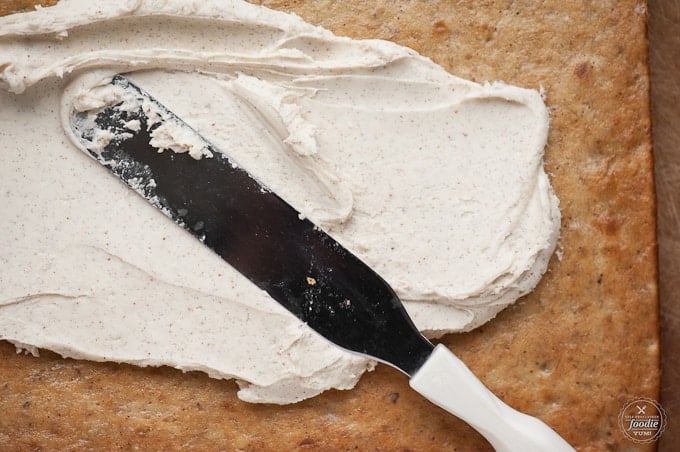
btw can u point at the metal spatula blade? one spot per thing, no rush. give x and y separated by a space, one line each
294 261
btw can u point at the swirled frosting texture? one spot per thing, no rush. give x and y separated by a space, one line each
434 181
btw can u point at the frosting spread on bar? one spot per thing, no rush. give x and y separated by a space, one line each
434 181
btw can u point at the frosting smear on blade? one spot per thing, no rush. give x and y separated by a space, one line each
435 182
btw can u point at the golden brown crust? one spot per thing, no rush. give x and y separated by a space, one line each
13 6
573 352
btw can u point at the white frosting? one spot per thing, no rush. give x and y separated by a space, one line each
434 181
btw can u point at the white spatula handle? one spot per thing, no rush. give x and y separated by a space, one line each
447 382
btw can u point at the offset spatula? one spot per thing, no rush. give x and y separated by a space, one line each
298 264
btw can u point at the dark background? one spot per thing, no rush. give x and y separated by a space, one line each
664 53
